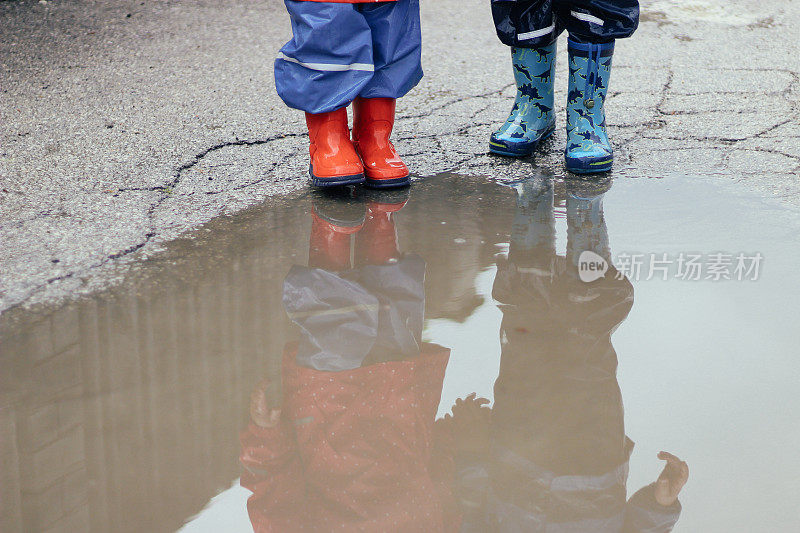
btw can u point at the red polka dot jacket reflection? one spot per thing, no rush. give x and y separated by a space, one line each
356 450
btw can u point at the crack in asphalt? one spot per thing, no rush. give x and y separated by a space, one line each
165 194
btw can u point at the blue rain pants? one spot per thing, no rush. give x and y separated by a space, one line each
536 23
340 51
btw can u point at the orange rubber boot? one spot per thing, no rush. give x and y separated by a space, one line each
329 246
376 243
334 160
374 120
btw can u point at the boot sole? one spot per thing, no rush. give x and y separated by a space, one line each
583 167
499 149
340 222
335 181
387 183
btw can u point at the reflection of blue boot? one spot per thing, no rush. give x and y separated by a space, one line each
532 119
588 148
532 246
586 224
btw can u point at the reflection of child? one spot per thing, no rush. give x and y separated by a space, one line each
354 446
361 51
558 455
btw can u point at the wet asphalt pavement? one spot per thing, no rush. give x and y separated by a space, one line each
127 123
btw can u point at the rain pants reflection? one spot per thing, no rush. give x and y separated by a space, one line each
375 310
340 51
534 23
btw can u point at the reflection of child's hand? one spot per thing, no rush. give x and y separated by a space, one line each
260 413
470 408
470 424
671 480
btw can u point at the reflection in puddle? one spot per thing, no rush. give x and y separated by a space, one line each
430 361
353 443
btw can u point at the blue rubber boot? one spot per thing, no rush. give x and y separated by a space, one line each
532 119
588 148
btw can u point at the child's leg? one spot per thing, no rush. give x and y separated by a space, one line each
320 71
529 27
598 21
396 47
328 62
593 26
525 23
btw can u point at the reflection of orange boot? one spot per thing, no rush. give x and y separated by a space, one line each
376 244
329 246
374 120
334 160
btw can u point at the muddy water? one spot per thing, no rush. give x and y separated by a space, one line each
298 364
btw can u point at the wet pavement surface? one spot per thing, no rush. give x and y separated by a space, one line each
321 362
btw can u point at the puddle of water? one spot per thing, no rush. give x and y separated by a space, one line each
130 410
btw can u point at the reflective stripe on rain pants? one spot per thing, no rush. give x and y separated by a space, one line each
340 51
534 23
